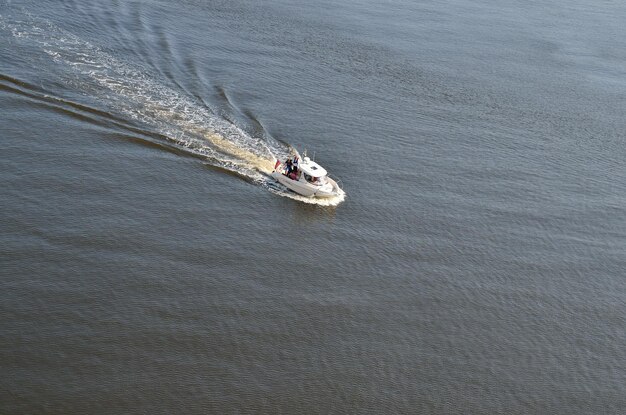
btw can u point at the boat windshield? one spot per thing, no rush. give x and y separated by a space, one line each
315 180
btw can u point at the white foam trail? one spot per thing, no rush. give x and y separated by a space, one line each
142 97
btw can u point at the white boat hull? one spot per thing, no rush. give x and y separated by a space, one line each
329 189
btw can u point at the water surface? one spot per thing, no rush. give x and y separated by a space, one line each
148 264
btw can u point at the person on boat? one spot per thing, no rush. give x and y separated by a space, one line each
289 166
294 173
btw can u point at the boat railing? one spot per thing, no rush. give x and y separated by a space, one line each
338 181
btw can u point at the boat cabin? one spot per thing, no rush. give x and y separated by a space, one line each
312 172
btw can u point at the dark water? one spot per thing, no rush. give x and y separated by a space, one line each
149 265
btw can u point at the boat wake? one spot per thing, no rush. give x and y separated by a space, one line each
143 98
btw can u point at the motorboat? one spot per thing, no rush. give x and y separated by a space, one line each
306 178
